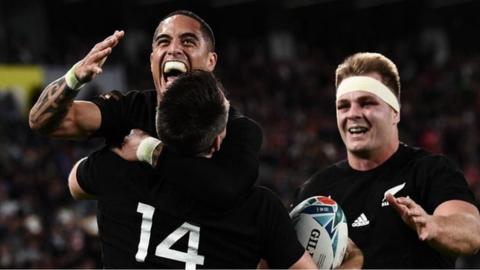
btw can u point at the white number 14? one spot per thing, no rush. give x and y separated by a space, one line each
191 257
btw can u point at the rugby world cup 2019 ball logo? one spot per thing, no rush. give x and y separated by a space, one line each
322 229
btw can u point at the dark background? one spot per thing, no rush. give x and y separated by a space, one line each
277 60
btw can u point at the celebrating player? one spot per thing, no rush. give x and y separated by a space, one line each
182 42
147 221
433 217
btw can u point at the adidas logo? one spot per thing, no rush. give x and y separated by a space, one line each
362 220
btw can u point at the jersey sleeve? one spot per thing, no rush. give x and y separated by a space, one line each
95 171
121 112
280 246
445 181
230 173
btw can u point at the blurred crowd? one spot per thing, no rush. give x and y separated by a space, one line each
40 225
292 98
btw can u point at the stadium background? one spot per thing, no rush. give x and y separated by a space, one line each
277 60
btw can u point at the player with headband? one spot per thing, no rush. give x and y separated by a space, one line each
406 208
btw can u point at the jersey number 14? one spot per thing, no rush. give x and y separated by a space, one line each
191 257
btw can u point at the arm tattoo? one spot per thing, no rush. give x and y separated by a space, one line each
52 106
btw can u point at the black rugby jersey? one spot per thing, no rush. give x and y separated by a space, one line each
146 222
377 229
226 176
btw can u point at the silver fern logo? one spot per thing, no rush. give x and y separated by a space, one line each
394 190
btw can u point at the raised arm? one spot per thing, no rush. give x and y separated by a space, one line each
56 114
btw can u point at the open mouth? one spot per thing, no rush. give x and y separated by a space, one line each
358 130
173 69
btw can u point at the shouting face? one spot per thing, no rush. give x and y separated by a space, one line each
179 45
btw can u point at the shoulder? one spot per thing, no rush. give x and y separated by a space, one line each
327 174
109 175
115 95
107 163
264 192
246 126
89 173
101 156
237 119
264 198
101 161
412 152
322 180
242 129
437 179
424 159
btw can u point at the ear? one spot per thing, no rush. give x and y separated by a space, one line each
396 117
151 64
212 61
218 140
214 147
217 143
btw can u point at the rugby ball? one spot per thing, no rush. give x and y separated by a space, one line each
322 229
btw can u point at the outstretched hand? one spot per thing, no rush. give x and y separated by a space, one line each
128 150
414 216
91 65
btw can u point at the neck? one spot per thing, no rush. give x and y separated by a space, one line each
369 160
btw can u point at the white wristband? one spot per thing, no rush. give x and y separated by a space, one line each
146 148
71 79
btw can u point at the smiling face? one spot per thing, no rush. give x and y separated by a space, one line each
178 46
367 125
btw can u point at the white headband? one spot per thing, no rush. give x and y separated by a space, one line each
371 85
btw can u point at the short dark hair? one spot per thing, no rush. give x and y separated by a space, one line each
192 112
204 27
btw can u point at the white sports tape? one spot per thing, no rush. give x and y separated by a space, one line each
71 79
146 148
371 85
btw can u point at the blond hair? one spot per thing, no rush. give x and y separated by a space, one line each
366 62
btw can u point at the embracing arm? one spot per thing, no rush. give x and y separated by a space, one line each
231 171
56 114
453 229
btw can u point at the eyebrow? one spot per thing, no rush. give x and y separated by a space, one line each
358 99
184 35
189 34
162 36
367 97
341 100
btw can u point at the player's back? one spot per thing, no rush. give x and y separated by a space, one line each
146 222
